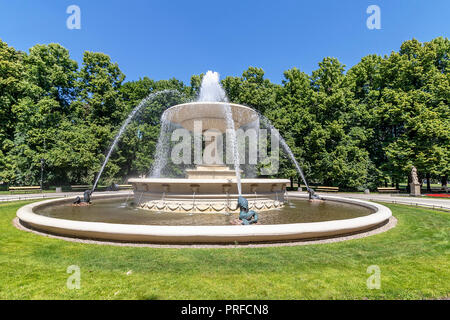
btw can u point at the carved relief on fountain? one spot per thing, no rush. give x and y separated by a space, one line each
207 207
207 195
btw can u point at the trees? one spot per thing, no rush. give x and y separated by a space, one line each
324 123
251 89
12 88
353 130
99 82
48 76
136 149
98 110
292 118
53 74
405 96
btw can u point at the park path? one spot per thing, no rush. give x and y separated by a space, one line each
34 196
394 198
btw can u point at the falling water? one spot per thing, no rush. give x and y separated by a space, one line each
162 147
286 148
122 130
234 147
211 90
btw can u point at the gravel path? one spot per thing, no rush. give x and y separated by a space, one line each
37 196
443 204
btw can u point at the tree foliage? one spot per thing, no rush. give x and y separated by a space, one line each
355 129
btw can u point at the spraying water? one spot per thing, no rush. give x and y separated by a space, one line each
289 152
162 147
211 90
234 147
122 130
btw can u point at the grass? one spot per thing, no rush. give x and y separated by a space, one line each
414 259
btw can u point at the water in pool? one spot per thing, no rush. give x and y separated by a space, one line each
116 211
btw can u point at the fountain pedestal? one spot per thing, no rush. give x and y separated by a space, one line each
210 188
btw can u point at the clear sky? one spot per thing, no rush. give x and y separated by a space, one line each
162 39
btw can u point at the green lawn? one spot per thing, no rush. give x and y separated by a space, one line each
414 259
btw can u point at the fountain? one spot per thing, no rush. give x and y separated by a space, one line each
216 186
205 205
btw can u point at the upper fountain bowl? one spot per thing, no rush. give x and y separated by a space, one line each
211 115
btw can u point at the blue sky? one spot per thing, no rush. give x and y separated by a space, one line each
165 39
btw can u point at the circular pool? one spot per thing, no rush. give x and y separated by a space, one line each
112 218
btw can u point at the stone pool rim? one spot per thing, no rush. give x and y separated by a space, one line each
201 234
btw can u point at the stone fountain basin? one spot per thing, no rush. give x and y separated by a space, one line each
214 194
211 115
201 234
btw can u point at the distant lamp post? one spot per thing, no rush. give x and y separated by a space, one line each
42 173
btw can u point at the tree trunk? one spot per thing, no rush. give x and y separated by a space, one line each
292 183
408 187
428 182
444 181
385 183
397 186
